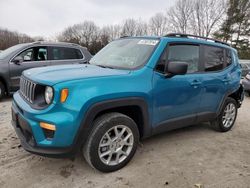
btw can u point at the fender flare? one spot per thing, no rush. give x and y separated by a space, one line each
239 94
86 124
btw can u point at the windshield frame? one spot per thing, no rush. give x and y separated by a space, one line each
141 65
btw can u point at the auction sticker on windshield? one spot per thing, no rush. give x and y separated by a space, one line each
148 42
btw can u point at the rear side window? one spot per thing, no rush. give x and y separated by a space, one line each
185 53
62 53
214 58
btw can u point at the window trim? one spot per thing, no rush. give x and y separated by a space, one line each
48 48
203 46
231 54
23 50
225 67
54 46
166 52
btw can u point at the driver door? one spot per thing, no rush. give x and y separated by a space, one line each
177 99
27 59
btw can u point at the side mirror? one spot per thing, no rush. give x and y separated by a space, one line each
176 68
18 60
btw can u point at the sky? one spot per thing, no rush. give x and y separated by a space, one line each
49 17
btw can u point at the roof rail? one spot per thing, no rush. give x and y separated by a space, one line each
182 35
36 42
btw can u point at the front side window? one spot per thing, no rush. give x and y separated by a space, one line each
27 55
62 53
214 58
34 54
127 53
185 53
180 53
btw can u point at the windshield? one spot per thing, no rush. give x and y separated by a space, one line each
10 50
125 53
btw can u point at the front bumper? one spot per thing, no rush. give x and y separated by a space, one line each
32 137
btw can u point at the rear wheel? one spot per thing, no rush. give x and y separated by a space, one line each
226 119
112 143
2 90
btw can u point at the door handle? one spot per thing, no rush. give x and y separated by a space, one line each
195 83
226 80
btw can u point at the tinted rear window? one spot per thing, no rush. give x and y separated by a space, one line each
214 58
62 53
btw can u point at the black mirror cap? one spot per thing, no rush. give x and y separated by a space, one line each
176 68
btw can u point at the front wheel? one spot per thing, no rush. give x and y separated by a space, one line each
226 119
112 142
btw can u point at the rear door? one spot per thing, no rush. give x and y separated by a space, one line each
65 55
32 57
214 80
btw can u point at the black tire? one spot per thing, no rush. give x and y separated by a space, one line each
218 122
102 125
2 91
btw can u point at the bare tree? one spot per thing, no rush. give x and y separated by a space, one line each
141 28
10 38
84 33
132 27
207 16
158 24
113 31
179 16
129 27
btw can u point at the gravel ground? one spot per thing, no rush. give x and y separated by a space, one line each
187 157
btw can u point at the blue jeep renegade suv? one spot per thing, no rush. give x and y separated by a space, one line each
133 88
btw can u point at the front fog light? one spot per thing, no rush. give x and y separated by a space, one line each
49 94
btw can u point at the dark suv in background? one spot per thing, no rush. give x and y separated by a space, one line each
16 59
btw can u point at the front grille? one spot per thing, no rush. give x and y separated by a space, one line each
27 89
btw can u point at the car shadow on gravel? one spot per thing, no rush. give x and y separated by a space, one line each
69 166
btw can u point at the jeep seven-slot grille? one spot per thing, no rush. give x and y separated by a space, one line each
27 89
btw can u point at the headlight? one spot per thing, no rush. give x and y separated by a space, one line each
49 94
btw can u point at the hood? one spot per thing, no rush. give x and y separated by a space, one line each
62 73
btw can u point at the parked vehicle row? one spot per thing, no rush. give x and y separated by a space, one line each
16 59
245 66
134 88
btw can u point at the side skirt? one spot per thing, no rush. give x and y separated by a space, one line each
185 121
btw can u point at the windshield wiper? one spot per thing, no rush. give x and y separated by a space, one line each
84 62
105 66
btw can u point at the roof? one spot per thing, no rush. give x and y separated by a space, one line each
55 44
189 38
